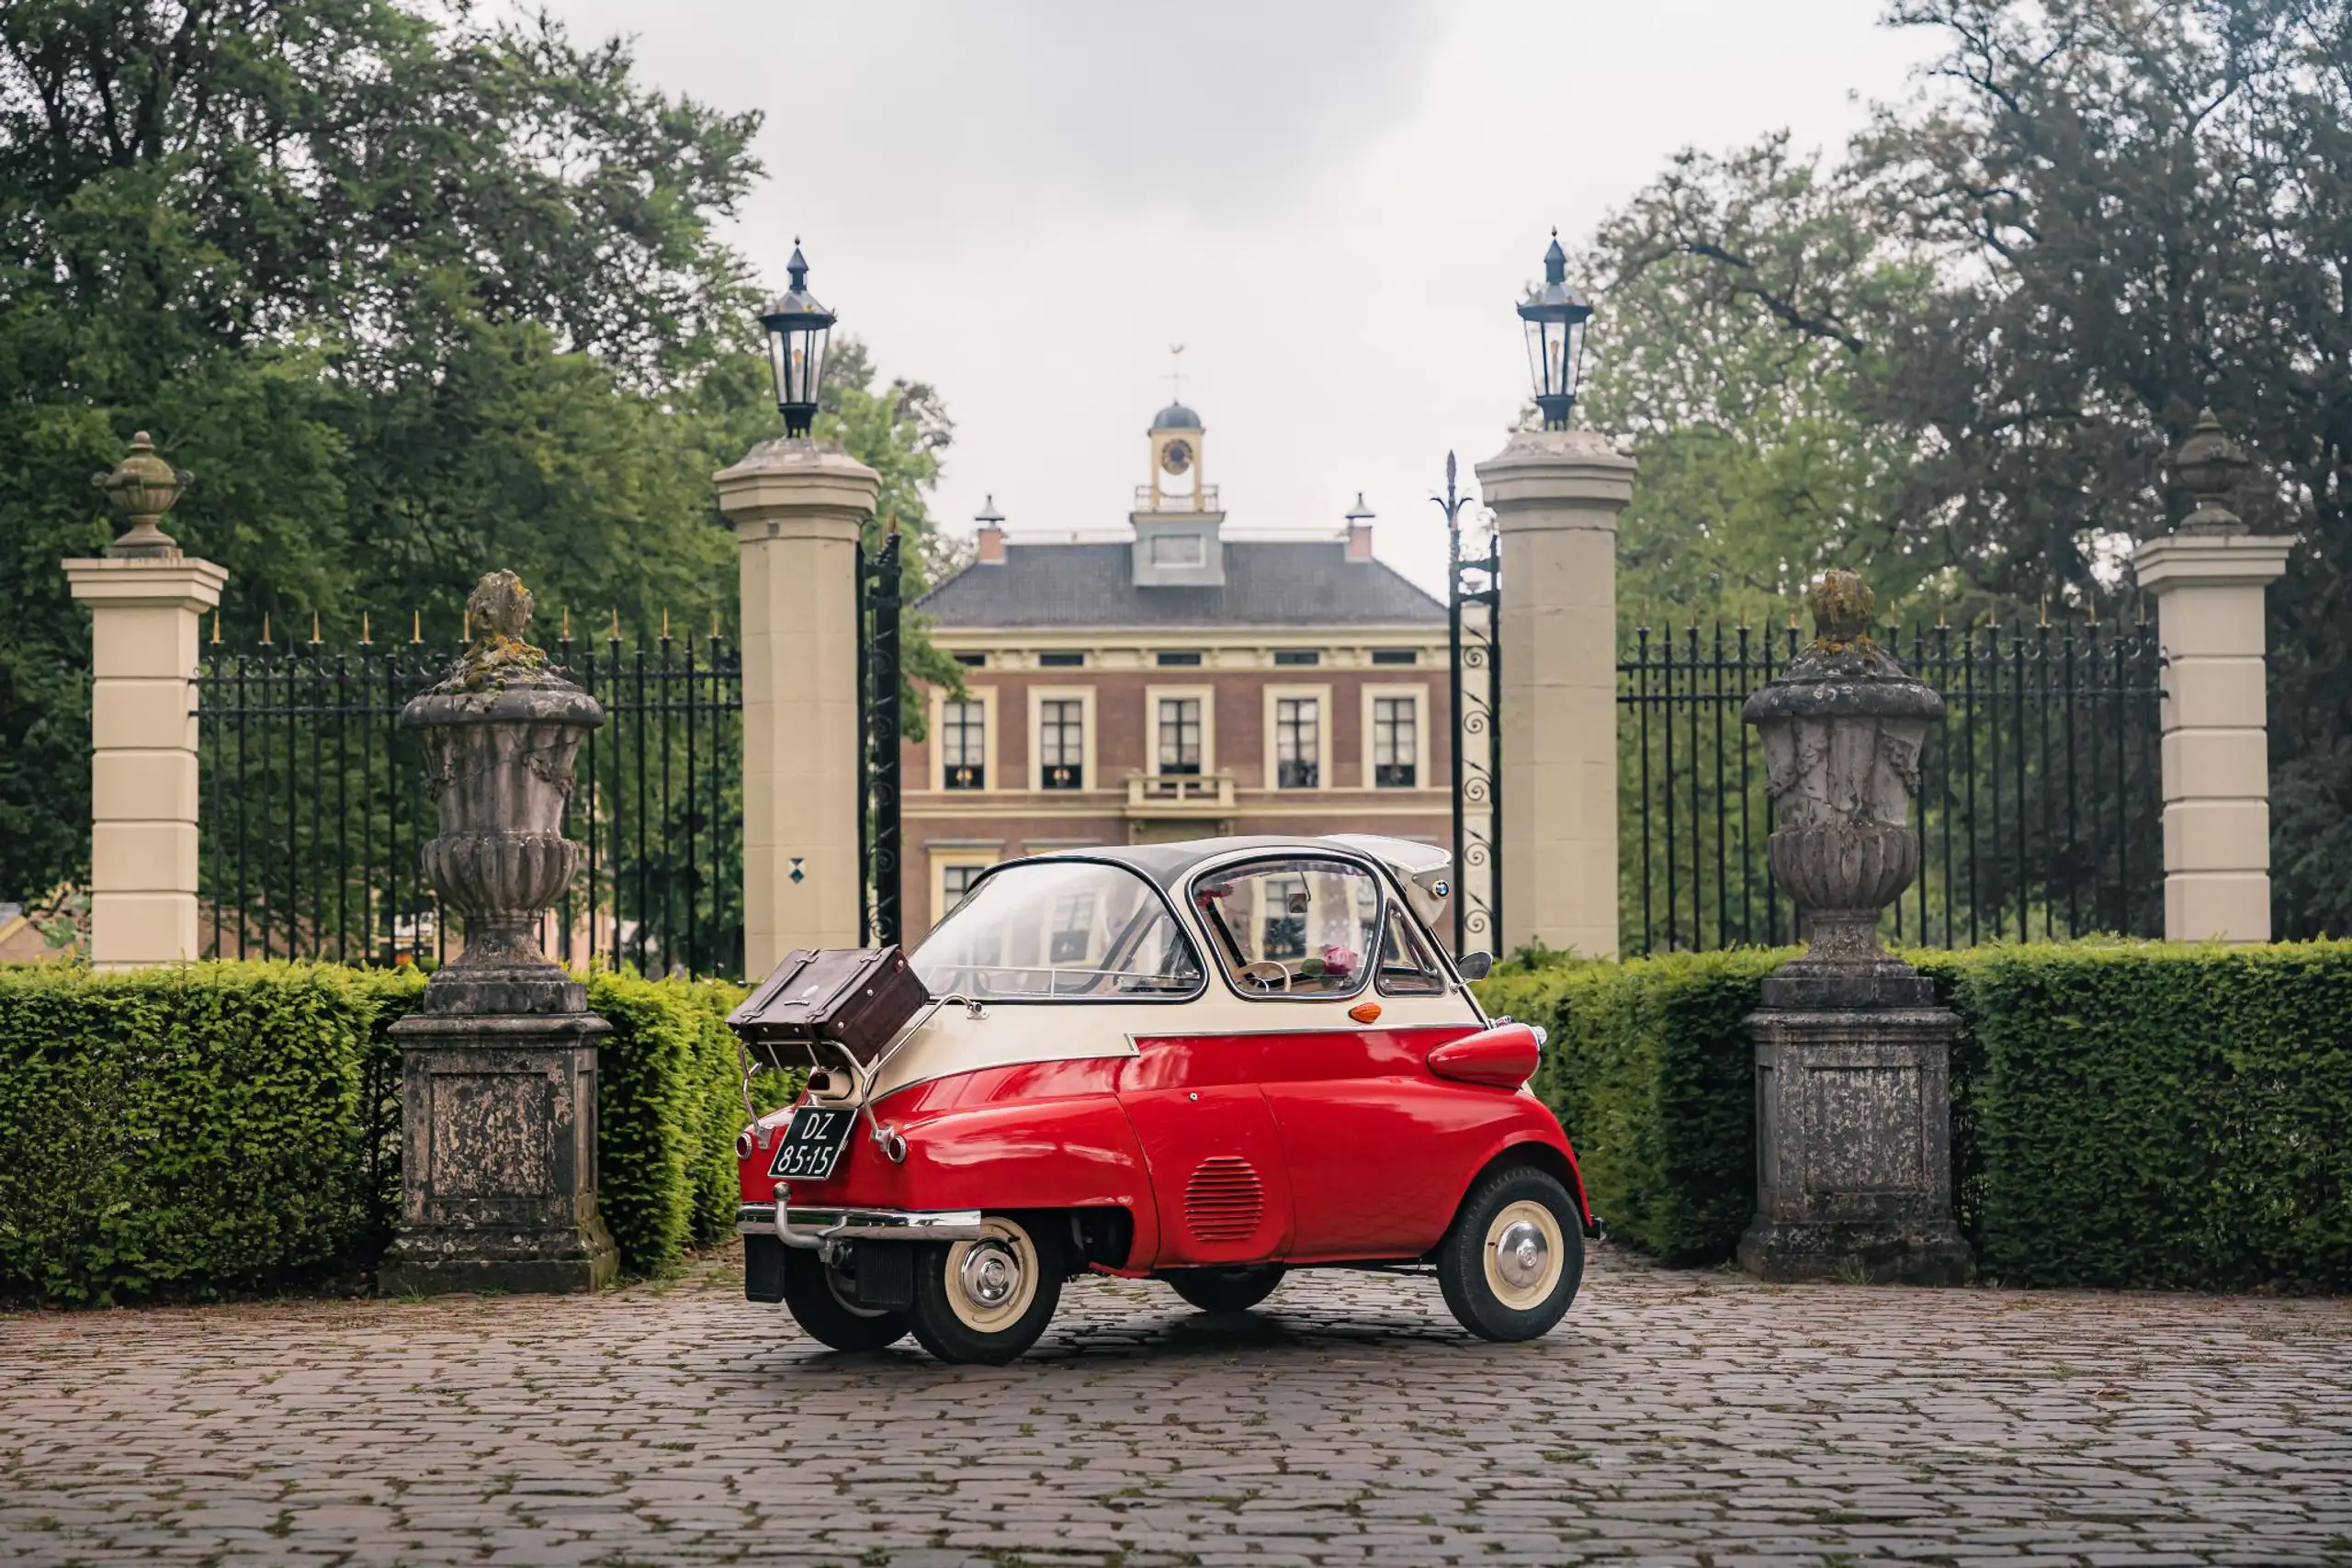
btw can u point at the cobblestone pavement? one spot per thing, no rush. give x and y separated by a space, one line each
1675 1417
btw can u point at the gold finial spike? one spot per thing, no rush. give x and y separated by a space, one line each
894 524
2045 609
464 626
666 623
364 640
2093 603
216 629
265 628
615 632
567 623
416 626
314 628
714 625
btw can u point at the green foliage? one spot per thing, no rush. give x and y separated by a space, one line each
230 1128
669 1104
1651 1076
185 1131
2151 1114
2124 1113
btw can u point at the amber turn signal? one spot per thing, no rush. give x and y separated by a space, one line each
1366 1012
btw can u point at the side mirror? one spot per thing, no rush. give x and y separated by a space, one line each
1475 966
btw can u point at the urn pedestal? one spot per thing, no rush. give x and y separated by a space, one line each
498 1067
1853 1100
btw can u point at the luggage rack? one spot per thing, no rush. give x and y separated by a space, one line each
862 1075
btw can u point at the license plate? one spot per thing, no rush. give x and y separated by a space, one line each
813 1141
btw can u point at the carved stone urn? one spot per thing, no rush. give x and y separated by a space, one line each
501 731
498 1068
1852 1087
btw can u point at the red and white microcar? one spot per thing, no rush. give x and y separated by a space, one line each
1206 1063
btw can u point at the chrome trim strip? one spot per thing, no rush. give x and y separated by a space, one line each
812 1227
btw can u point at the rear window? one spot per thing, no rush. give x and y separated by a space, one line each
1060 930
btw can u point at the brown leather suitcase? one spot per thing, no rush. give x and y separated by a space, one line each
857 999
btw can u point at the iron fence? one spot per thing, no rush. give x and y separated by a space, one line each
2040 804
315 804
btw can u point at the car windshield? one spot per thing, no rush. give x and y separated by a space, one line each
1056 930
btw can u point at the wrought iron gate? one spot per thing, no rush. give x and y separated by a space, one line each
878 832
1473 615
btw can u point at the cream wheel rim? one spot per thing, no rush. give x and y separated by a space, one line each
992 1282
1525 1254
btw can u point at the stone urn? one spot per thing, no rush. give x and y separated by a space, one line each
140 489
501 731
1842 730
1854 1113
498 1068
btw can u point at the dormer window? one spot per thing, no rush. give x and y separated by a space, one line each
1179 550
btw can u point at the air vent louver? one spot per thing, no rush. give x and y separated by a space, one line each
1224 1201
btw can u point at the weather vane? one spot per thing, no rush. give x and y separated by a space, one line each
1176 374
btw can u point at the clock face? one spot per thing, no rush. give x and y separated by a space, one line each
1176 456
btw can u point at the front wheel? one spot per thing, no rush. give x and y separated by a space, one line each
1226 1290
987 1301
813 1294
1510 1265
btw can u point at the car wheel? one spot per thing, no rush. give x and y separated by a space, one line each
1226 1290
813 1294
987 1301
1511 1265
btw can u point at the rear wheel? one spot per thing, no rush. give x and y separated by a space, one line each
987 1301
821 1304
1226 1290
1510 1265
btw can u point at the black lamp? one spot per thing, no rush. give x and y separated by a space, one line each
797 327
1554 316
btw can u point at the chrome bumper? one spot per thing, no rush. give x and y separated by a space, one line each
813 1227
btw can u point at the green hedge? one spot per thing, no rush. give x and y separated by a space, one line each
2124 1113
234 1127
192 1130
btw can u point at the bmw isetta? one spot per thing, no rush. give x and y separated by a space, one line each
1204 1063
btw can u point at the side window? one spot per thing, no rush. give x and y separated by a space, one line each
1299 927
1405 967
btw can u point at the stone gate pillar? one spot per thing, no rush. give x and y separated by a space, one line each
146 600
1556 495
2208 581
797 506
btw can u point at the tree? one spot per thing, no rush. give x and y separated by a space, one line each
411 293
1740 298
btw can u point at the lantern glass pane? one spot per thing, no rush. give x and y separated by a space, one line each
776 364
815 362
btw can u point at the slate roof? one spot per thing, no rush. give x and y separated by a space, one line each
1267 583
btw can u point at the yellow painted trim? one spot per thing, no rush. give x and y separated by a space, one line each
992 780
1271 694
1152 694
1038 697
1420 695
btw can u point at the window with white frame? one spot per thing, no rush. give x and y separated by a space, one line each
1061 743
963 745
1396 741
955 879
1180 736
1299 742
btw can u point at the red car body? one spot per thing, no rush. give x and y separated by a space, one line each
1255 1122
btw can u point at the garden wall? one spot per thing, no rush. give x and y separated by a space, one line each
228 1127
2124 1113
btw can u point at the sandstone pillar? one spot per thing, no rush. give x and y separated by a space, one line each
1556 495
2208 581
797 506
146 603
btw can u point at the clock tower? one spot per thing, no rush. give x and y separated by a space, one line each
1176 517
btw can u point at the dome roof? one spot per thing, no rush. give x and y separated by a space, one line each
1176 416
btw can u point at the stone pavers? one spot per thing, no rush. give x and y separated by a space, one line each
1674 1418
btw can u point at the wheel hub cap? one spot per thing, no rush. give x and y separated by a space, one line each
990 1275
1520 1253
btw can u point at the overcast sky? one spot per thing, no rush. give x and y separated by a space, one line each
1332 204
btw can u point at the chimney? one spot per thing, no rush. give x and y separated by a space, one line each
1360 530
991 524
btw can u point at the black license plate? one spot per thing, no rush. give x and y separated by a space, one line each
813 1142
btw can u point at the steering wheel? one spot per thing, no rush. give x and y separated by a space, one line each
1267 974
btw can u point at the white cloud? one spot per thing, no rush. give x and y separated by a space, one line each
1332 204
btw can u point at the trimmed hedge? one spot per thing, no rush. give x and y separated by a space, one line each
2124 1113
214 1128
192 1130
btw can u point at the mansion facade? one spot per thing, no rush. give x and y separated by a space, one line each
1175 684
